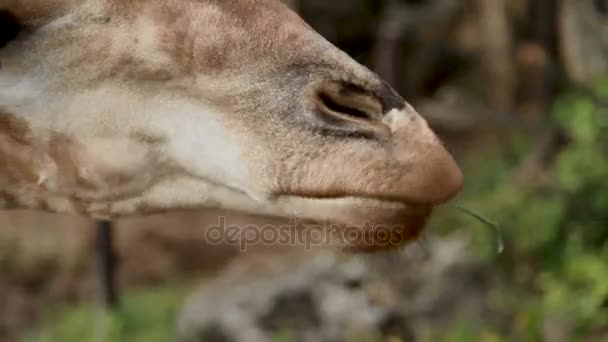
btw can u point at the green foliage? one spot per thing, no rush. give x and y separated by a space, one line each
554 272
145 316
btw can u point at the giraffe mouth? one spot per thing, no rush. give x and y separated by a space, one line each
362 224
350 210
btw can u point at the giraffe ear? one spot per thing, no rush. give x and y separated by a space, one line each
19 15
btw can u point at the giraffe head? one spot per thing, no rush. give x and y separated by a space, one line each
116 107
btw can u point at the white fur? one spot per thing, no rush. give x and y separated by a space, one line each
199 142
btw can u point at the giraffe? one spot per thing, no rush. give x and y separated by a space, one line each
111 108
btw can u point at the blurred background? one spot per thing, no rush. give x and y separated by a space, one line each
518 90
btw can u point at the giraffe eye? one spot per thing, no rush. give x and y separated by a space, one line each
10 28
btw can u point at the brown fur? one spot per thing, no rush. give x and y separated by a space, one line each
16 150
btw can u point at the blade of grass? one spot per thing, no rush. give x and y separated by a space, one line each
500 245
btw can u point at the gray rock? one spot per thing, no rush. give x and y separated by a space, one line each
325 296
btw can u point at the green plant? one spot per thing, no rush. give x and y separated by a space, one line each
554 272
144 316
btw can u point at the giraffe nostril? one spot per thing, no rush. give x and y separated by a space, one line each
335 107
351 109
346 101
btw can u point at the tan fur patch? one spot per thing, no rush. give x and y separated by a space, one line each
11 125
16 149
61 150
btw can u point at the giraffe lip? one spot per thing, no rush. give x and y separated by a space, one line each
366 201
351 210
371 200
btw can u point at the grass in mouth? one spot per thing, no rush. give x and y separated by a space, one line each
500 245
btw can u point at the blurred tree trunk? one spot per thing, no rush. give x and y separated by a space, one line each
408 40
546 12
539 63
497 53
584 38
388 53
540 88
